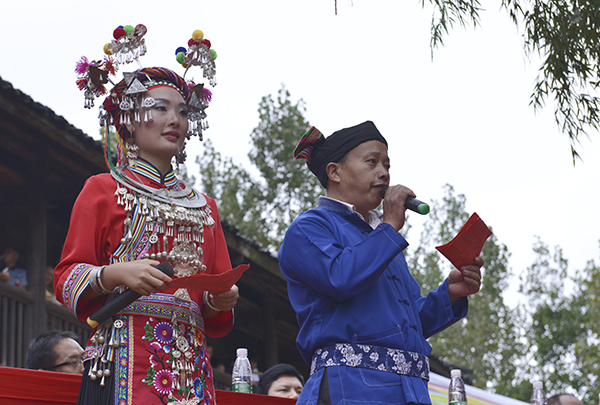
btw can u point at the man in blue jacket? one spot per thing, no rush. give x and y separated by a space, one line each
363 322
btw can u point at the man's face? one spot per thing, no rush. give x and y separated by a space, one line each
70 354
10 257
362 175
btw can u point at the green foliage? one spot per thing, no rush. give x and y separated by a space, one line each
486 341
263 208
447 13
563 334
566 34
444 221
551 336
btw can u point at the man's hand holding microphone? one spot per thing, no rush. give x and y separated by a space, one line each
396 199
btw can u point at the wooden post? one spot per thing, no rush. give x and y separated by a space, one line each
37 318
271 349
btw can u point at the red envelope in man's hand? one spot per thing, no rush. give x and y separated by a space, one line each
214 283
467 244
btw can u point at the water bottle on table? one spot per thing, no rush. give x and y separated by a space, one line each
241 377
456 390
538 397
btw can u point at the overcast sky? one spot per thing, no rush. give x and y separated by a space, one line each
462 118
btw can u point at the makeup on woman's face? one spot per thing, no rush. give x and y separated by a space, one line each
162 137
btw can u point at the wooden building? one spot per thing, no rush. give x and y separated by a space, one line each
44 162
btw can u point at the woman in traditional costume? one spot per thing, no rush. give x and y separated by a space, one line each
140 214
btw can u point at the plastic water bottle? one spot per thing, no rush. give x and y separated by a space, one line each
456 390
241 376
538 397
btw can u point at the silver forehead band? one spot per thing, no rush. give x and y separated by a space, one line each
134 100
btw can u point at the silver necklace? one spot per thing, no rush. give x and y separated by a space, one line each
164 195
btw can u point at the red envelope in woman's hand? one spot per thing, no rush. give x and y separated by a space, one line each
214 283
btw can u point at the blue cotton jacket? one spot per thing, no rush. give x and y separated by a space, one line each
349 283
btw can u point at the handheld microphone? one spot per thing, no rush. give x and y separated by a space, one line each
122 300
411 203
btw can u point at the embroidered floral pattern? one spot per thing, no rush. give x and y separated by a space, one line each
198 388
163 380
372 357
163 332
177 366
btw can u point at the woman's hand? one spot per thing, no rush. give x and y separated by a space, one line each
224 302
465 281
139 275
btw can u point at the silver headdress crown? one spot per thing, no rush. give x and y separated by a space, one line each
130 94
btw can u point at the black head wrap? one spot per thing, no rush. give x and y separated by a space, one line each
319 151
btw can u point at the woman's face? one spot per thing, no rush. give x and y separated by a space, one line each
163 137
285 387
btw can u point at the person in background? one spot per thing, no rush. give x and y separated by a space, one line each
281 380
12 274
55 350
49 286
564 399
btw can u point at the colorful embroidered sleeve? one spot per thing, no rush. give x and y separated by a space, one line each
96 225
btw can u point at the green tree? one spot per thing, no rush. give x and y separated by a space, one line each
487 340
263 207
563 341
565 34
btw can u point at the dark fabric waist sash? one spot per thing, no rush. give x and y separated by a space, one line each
372 357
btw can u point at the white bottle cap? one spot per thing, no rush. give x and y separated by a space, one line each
242 352
537 385
455 373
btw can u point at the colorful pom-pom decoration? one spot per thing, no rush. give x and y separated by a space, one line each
196 35
82 65
140 30
129 29
213 54
180 57
119 33
180 49
107 49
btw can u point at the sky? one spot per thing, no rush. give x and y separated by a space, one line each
461 118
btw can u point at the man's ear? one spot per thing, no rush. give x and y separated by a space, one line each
332 170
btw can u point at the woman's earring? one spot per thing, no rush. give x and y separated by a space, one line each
180 157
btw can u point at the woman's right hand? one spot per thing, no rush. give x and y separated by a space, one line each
139 275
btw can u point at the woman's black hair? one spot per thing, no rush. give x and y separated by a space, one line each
273 373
